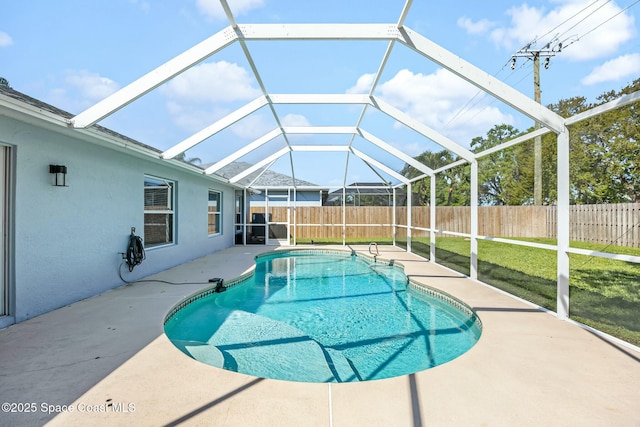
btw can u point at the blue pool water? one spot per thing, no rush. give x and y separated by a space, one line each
334 317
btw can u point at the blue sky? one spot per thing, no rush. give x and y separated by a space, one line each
72 54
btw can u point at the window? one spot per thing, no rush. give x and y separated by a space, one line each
159 199
214 212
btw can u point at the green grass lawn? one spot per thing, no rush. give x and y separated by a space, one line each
604 293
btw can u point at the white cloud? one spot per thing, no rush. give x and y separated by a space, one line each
435 98
295 120
5 39
80 90
198 97
478 27
529 22
412 149
213 10
363 85
615 69
92 86
253 126
194 118
212 82
143 5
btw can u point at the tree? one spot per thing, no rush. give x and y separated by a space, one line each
506 176
191 160
604 160
452 185
619 142
604 150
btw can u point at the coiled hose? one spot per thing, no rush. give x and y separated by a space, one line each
135 251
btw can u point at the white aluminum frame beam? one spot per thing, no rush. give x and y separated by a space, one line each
244 151
272 158
154 78
379 165
422 129
418 43
321 32
319 130
514 141
395 152
256 74
611 105
318 31
473 246
320 148
216 127
563 225
320 98
481 79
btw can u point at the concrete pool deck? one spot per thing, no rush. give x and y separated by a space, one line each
107 359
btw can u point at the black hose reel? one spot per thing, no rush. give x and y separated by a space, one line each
135 250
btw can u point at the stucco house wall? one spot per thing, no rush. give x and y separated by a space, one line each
65 242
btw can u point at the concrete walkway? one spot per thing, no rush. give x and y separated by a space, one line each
105 361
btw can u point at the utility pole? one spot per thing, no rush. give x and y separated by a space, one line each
535 55
537 142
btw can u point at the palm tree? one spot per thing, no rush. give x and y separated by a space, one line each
192 160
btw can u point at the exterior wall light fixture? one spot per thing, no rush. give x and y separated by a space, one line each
60 175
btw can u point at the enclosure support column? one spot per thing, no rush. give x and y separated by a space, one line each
409 225
474 220
393 217
245 215
563 225
344 216
432 218
289 233
266 216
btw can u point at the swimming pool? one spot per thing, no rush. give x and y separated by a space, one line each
323 316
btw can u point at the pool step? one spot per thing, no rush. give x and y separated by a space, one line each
201 351
263 338
260 338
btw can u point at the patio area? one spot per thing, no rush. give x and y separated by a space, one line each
106 361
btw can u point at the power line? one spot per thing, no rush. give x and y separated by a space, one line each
493 101
584 19
565 21
479 92
553 47
602 23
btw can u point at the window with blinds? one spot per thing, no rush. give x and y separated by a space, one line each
159 200
214 212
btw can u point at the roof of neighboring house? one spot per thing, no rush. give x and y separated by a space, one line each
267 179
373 188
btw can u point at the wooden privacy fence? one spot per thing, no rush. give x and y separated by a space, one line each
502 221
617 224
